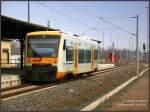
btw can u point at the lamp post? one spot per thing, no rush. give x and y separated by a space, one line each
147 33
137 47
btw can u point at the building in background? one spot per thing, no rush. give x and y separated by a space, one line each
10 53
5 53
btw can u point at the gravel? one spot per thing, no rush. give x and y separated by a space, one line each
73 95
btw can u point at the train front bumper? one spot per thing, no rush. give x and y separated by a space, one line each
42 72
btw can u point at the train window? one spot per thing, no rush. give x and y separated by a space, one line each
69 54
84 56
95 54
80 56
37 46
88 56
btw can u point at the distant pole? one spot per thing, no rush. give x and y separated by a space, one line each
137 49
28 10
103 44
117 43
98 53
117 49
112 43
113 52
103 39
111 39
147 33
48 25
132 51
82 34
129 48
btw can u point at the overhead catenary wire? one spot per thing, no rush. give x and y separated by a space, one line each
92 12
116 26
81 10
124 42
83 23
104 28
123 39
66 15
118 17
72 6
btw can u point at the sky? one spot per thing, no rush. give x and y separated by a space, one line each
81 17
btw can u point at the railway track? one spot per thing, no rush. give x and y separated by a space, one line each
16 87
28 88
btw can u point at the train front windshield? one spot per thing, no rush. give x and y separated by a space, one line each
42 46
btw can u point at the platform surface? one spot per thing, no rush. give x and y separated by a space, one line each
132 98
105 66
9 80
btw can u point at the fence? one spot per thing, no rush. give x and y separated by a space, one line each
11 63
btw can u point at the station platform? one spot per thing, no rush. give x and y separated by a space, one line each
9 80
105 66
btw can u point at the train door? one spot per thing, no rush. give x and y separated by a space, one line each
75 60
92 59
70 59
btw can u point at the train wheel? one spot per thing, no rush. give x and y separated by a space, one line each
76 76
70 76
96 70
24 75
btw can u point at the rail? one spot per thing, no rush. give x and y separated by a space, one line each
10 92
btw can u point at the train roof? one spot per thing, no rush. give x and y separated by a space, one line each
45 33
68 34
84 38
